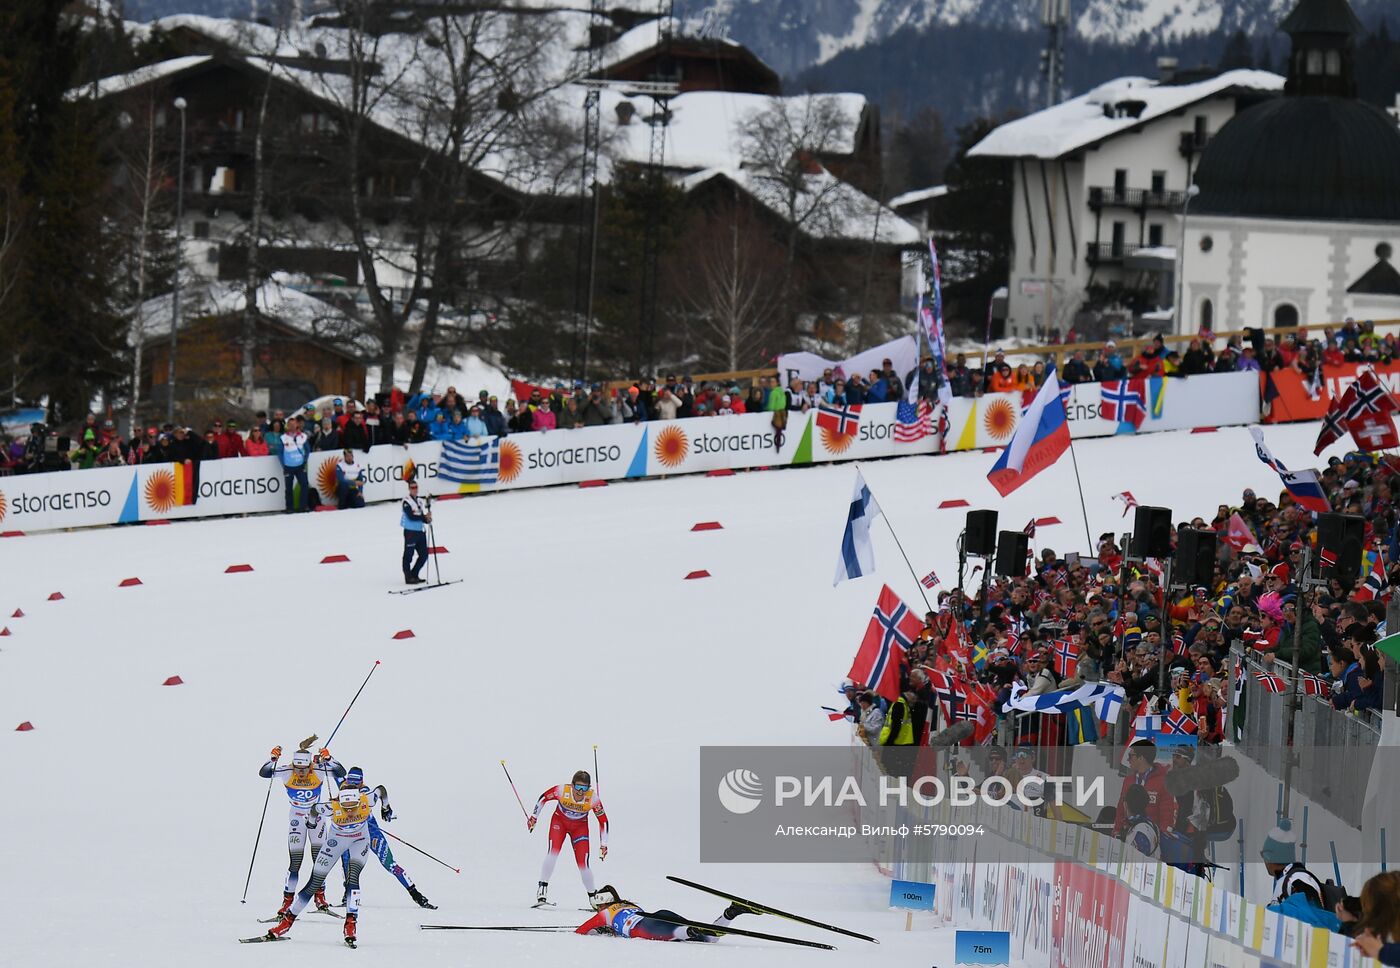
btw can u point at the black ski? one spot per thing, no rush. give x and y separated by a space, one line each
765 909
259 939
425 587
328 912
497 927
740 932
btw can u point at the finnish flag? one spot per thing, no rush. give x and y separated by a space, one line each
857 553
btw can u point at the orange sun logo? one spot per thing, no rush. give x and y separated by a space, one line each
999 420
671 447
512 463
836 443
325 478
2 505
160 491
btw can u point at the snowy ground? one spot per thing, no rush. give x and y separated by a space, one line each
130 809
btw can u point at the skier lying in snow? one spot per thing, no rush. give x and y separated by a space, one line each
626 919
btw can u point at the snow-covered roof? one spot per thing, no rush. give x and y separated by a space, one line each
707 127
648 35
1109 109
303 313
829 208
917 196
118 83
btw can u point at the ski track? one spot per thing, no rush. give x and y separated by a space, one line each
132 807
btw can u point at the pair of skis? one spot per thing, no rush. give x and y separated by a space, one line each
753 906
426 587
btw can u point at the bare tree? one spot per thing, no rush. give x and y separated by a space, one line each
726 285
13 215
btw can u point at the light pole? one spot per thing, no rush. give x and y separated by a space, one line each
180 105
1192 191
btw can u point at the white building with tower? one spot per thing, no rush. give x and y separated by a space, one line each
1100 183
1299 208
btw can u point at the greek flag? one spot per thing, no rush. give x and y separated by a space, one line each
857 553
470 462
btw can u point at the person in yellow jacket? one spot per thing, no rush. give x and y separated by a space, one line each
899 728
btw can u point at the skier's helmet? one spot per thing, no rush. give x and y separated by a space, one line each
301 760
582 781
607 894
354 777
348 797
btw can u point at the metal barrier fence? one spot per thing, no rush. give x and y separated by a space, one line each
1335 748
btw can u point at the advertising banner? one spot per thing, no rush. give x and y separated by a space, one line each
1294 400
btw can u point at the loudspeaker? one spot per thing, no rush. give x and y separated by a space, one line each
1152 533
1012 549
1195 558
981 538
1341 534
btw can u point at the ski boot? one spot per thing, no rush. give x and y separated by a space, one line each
542 894
281 927
287 897
350 929
420 900
701 934
320 901
735 909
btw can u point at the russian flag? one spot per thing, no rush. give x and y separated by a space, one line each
1041 437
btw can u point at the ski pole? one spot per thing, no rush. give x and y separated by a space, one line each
597 781
455 870
515 791
327 743
258 838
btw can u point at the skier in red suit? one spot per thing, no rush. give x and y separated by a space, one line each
576 800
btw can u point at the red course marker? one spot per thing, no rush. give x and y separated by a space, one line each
5 630
156 521
173 681
325 507
334 559
708 526
24 727
1203 430
592 483
1046 522
234 569
720 472
702 573
954 503
404 634
56 597
128 582
19 613
438 550
11 534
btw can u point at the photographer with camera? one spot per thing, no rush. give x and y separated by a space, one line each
417 515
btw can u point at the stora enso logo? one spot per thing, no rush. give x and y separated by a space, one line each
740 791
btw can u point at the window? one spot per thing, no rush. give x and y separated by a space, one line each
1207 321
1159 182
1314 62
1120 230
201 229
1154 235
1207 243
1334 63
1285 314
1202 127
1120 182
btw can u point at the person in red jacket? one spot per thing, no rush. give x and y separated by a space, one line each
256 444
229 441
626 919
1145 771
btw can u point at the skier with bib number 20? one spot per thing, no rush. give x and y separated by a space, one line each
309 780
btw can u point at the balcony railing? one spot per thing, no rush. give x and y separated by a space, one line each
1192 143
1138 198
1109 253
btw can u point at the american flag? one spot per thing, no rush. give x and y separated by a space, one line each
929 580
912 422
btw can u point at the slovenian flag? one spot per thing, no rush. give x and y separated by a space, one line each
1041 437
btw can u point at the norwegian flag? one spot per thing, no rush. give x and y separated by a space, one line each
1334 427
950 699
842 421
1327 558
1065 655
892 630
977 709
1176 721
1129 502
1013 642
929 580
1271 683
1313 685
1254 639
1366 395
1375 584
1179 643
912 422
1121 402
1029 529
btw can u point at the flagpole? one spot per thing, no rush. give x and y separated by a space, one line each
1080 484
885 515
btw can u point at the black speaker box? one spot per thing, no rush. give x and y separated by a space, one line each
1152 533
981 536
1012 548
1195 558
1341 534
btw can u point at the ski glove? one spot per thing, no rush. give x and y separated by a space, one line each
603 852
386 813
530 823
276 752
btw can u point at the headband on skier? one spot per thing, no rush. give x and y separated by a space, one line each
607 894
301 760
348 797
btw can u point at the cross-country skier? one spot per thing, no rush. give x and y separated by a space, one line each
576 800
379 846
309 780
626 919
348 836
